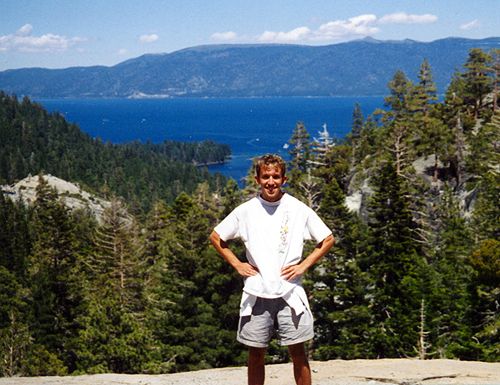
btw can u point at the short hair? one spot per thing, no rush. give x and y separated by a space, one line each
270 159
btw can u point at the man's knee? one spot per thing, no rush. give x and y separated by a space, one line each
256 355
298 353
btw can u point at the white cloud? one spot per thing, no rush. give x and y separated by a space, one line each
470 25
224 36
24 41
295 35
404 18
333 31
123 52
359 26
148 38
25 30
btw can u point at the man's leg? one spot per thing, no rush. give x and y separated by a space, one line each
256 369
301 369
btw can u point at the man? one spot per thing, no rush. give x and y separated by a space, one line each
273 227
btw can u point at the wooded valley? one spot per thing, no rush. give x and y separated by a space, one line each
415 271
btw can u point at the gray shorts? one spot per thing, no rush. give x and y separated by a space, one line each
274 317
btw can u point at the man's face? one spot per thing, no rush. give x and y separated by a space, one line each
270 180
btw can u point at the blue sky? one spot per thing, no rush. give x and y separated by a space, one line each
65 33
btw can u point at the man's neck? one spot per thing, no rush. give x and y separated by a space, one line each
274 200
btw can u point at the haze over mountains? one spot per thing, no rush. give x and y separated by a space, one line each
362 67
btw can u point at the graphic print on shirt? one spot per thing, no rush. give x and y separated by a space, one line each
283 244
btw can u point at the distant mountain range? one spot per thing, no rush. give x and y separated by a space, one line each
362 67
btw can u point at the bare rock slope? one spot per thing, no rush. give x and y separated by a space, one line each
73 196
338 372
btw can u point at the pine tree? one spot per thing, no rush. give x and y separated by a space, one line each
478 82
195 304
15 336
356 132
495 55
300 147
15 237
484 151
308 189
116 263
484 315
300 155
231 197
338 288
51 271
401 89
400 122
486 210
320 147
151 256
367 144
112 339
251 188
449 300
425 90
113 334
337 163
357 122
458 121
483 161
394 261
433 135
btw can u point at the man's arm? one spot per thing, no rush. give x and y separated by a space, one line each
294 271
244 269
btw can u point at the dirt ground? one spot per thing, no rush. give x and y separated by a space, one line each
337 372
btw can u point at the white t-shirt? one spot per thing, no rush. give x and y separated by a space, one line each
274 234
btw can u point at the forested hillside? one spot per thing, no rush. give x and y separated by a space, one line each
415 273
360 67
32 141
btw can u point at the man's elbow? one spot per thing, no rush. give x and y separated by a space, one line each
328 242
217 242
214 238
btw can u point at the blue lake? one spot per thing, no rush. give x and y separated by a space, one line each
250 126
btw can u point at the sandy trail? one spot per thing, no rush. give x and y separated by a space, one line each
337 372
